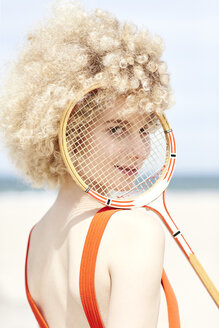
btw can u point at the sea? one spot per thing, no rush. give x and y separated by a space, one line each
178 182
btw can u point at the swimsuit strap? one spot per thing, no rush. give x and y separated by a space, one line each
41 321
87 274
172 305
88 262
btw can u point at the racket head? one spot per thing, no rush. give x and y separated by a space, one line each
123 158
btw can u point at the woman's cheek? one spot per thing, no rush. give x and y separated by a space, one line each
148 146
114 149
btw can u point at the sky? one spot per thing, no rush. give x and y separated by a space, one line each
190 33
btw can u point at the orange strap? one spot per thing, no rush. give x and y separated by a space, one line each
87 274
88 262
172 305
41 321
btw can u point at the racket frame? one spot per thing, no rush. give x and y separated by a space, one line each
148 196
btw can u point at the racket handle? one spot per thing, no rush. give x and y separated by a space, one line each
212 290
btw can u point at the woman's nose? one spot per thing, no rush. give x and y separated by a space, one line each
139 146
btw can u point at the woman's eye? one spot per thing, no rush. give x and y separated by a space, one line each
117 130
144 131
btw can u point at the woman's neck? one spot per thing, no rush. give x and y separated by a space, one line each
73 198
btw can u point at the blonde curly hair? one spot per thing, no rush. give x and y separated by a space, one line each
68 52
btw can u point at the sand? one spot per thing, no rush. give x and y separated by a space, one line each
197 215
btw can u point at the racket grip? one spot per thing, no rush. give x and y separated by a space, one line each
204 278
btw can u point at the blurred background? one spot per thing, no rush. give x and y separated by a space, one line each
190 33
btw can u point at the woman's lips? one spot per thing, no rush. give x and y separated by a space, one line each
127 170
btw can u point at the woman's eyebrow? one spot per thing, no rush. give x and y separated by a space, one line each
119 122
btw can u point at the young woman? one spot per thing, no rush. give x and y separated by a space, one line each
88 265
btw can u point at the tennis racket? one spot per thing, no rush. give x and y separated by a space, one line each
123 156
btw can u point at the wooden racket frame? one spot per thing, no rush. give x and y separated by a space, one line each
146 198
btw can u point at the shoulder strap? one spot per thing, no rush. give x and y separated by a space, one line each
88 262
172 305
41 321
87 274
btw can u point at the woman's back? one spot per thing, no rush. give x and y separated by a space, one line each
54 263
54 266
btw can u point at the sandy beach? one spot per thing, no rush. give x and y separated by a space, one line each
197 215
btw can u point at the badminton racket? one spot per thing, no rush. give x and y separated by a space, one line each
124 157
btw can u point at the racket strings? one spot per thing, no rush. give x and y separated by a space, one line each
103 173
99 151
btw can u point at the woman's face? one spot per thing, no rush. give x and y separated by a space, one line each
114 147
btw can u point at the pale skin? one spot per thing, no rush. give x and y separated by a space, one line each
128 268
115 144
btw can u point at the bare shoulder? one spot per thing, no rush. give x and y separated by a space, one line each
136 226
135 238
136 255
